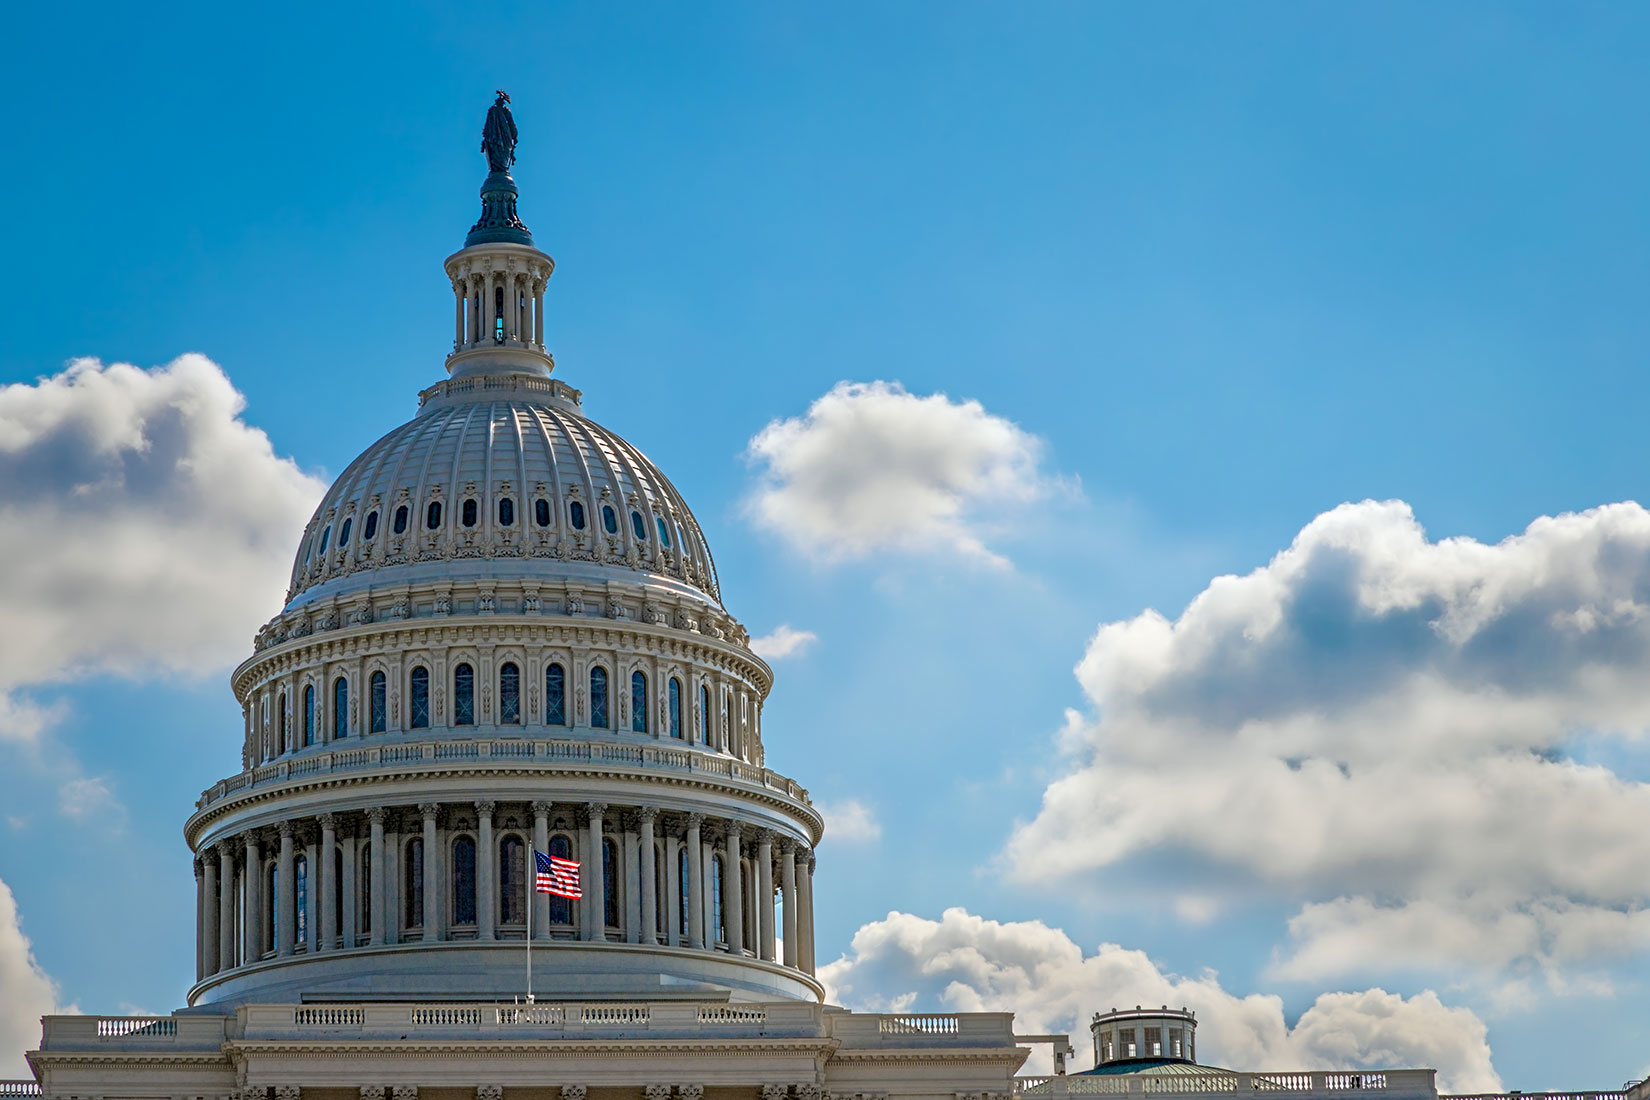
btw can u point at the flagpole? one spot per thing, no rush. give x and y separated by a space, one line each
530 892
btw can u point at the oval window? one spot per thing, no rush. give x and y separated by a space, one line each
541 512
343 532
468 512
638 527
401 520
371 528
609 521
506 512
325 535
575 513
664 531
432 515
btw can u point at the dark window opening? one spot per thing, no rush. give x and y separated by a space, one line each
413 914
638 702
664 531
464 881
498 315
598 697
506 512
541 512
464 696
432 515
340 708
370 530
509 695
401 520
555 696
379 711
575 513
420 704
343 532
637 527
468 513
610 521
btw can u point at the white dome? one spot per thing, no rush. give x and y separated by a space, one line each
500 476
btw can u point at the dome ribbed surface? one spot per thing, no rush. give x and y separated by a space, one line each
468 456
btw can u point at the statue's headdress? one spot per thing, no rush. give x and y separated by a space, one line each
503 96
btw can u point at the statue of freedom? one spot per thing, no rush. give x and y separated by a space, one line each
498 135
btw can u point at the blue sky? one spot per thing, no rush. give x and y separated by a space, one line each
1230 266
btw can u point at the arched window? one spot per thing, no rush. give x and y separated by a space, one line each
716 935
400 525
506 512
541 512
343 532
509 694
464 696
684 893
610 523
512 865
637 527
555 696
464 880
575 515
340 708
561 909
325 537
363 887
380 708
598 697
348 934
419 706
704 715
369 530
468 513
610 884
300 883
280 720
432 515
664 531
309 715
412 889
674 704
638 702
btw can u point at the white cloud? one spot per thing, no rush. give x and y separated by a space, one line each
965 963
783 641
26 992
82 798
871 468
143 524
849 821
1376 716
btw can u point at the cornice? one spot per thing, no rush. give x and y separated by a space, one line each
675 1047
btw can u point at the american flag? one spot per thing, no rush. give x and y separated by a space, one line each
557 876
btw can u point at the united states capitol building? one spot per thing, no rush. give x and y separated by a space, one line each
505 635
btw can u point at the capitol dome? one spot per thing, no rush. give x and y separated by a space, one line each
503 650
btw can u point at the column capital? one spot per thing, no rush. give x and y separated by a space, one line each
250 838
735 829
787 846
489 1092
485 809
254 1092
764 836
404 1092
284 830
572 1092
542 808
328 821
429 809
376 814
647 813
690 1092
200 867
287 1092
695 820
775 1092
657 1092
372 1092
595 809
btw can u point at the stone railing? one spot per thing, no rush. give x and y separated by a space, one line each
1614 1094
1389 1084
19 1088
555 753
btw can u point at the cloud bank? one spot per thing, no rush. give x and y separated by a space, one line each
850 821
144 525
1386 729
871 468
783 641
26 992
965 963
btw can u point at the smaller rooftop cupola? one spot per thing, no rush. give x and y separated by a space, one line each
499 276
1159 1034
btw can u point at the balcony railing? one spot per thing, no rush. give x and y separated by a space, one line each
19 1088
1390 1084
549 753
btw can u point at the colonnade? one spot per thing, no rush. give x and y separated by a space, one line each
476 295
464 872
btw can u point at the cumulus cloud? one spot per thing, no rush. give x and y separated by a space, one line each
966 963
871 467
26 992
144 526
86 797
1381 726
783 641
850 821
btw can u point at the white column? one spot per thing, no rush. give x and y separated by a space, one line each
252 940
629 872
805 915
538 313
696 882
381 917
485 857
432 877
787 890
200 919
764 895
672 901
226 905
649 893
349 921
733 894
460 297
321 873
596 928
541 842
209 914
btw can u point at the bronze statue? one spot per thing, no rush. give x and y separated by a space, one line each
498 135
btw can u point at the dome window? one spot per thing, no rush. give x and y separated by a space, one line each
432 515
400 525
420 698
638 702
468 513
379 711
343 533
498 315
326 536
506 512
464 696
638 527
664 531
610 521
555 696
464 880
370 530
340 708
675 708
561 909
598 697
309 715
509 695
541 512
575 515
